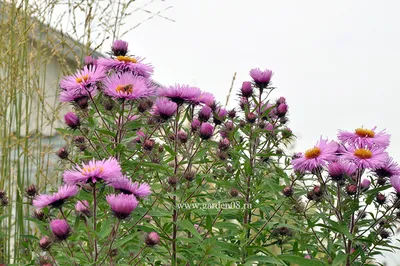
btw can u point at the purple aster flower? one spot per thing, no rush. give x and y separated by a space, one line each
81 83
122 205
362 137
57 199
205 113
371 158
180 93
164 108
93 171
390 168
60 229
395 181
72 120
322 153
127 64
261 78
126 186
247 89
338 170
206 131
119 48
195 124
207 98
127 86
82 206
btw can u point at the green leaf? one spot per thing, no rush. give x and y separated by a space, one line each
186 225
341 257
301 260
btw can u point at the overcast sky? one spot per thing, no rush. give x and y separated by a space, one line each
336 62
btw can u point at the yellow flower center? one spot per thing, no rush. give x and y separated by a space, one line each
363 153
82 79
362 132
313 153
88 169
126 59
125 88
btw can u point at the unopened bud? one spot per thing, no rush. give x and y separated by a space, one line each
288 191
152 239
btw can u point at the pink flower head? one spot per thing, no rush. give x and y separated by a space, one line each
206 131
363 137
390 168
206 98
126 186
322 153
82 206
119 48
121 63
122 205
60 229
195 124
220 115
247 89
164 108
269 127
205 113
81 83
395 181
129 87
180 93
93 171
370 158
57 199
140 136
338 170
72 120
261 78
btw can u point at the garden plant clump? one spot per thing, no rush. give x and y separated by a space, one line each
166 175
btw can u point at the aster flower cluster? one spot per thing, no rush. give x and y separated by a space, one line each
353 170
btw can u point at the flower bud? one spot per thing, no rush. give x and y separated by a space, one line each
281 100
90 61
384 234
31 191
189 176
282 110
60 229
243 103
145 105
222 155
45 243
242 123
223 144
119 48
317 191
39 214
381 181
2 194
205 113
247 89
182 136
79 140
172 181
82 102
82 207
234 192
365 183
351 189
63 153
232 113
195 124
251 117
108 103
72 120
229 126
148 144
206 131
286 133
307 257
152 239
4 201
380 198
288 191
